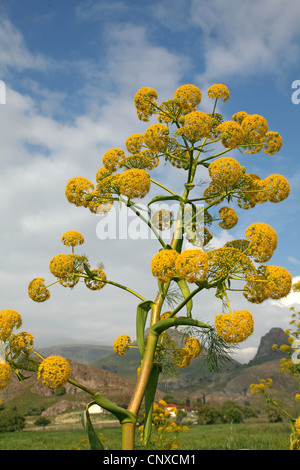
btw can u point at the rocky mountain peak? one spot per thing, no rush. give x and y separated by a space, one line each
265 352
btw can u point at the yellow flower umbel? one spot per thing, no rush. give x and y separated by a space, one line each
192 265
76 190
196 126
276 188
236 327
163 265
145 104
72 238
134 183
231 134
134 143
9 319
111 159
5 374
54 372
218 91
228 217
225 172
227 262
263 241
37 290
63 268
181 358
262 386
122 344
192 346
62 265
97 282
188 97
21 343
156 137
255 128
273 143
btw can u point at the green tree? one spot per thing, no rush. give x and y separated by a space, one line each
11 421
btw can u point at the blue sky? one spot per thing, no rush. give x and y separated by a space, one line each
71 70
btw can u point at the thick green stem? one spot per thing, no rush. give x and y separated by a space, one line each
128 432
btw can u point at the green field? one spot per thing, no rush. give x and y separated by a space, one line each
251 436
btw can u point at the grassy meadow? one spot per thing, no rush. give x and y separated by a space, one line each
250 436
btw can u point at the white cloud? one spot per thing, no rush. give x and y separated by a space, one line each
38 156
247 38
14 52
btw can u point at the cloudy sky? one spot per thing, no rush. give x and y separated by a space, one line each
71 70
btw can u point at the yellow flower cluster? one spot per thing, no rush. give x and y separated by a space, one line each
144 101
225 172
234 327
228 217
193 346
134 143
276 187
54 372
218 91
229 261
37 290
188 96
163 265
15 344
5 375
255 128
182 357
262 386
134 183
76 190
62 265
21 343
263 241
72 238
231 134
190 265
156 137
165 431
196 126
97 282
121 344
273 143
169 111
270 282
256 134
111 159
9 319
145 160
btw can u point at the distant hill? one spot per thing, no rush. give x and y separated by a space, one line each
82 353
115 377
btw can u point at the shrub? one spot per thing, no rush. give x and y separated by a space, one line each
11 421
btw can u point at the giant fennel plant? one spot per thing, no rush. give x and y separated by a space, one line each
185 137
